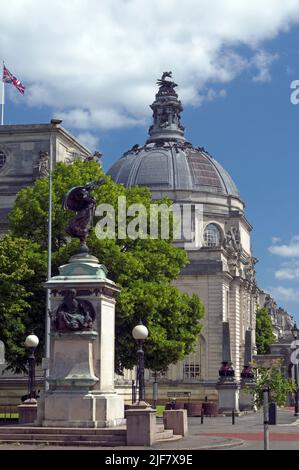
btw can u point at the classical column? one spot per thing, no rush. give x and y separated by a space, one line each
235 324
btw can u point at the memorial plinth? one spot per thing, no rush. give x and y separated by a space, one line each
228 393
248 384
81 365
228 388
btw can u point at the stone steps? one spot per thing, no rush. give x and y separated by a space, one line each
60 442
64 437
100 437
164 435
73 431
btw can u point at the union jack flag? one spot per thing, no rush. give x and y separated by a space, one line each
9 78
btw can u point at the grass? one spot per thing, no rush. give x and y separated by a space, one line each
9 415
160 409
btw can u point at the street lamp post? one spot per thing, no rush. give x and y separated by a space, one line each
31 343
140 333
295 333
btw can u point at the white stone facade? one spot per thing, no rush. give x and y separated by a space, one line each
224 278
222 272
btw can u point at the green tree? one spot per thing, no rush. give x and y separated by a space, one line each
21 274
279 386
143 268
264 331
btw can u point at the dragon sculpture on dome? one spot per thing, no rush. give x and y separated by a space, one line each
166 86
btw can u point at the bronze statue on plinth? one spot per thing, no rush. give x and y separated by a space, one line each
79 200
73 314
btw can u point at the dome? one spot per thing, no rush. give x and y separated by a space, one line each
166 161
169 167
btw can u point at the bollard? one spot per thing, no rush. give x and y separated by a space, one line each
233 416
201 415
155 394
133 391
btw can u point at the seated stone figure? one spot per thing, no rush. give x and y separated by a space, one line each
73 314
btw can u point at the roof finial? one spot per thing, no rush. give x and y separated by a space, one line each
166 86
166 112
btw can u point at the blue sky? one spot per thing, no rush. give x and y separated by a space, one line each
242 114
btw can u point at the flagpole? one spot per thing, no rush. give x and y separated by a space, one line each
52 159
49 268
3 98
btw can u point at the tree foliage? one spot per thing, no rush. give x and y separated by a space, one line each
264 331
143 268
21 293
279 386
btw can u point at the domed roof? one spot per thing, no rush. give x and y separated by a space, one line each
169 167
167 161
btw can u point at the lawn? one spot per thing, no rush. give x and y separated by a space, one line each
9 415
160 409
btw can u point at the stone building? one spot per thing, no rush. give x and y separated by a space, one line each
281 349
281 320
24 156
24 151
222 270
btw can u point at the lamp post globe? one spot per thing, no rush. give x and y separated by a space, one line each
295 333
31 343
140 333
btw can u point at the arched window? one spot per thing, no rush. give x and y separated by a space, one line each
2 159
211 236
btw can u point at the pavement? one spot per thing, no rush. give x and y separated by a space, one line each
216 433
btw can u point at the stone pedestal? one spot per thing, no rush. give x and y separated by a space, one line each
228 392
27 411
141 426
177 421
81 370
246 401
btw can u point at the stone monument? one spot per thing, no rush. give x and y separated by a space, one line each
247 377
81 366
227 386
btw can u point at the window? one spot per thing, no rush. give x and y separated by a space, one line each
191 366
211 236
191 371
2 159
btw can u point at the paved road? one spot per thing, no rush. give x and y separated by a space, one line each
249 430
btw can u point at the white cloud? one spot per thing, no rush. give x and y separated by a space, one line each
213 94
262 61
96 62
290 250
285 294
288 270
290 274
89 140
